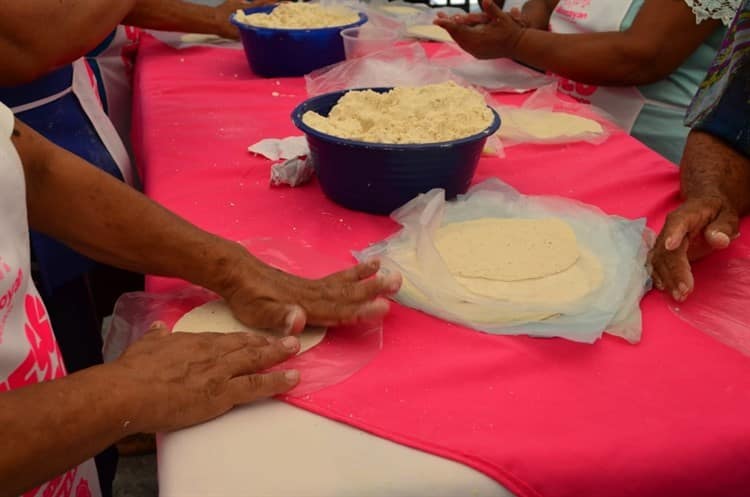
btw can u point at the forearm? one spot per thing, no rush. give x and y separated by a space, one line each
175 15
538 12
711 168
51 427
607 59
36 37
108 221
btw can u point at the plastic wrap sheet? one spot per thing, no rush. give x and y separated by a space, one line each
720 302
620 245
545 104
494 75
343 352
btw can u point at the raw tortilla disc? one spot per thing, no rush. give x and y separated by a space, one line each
429 32
573 284
216 316
507 249
542 124
400 10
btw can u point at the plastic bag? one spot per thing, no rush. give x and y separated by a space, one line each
343 351
292 172
494 75
719 303
295 170
620 245
545 104
402 65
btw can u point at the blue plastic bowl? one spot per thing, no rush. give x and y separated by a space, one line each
290 52
379 178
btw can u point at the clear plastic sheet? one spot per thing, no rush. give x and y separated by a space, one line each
620 245
719 304
495 75
541 105
344 350
402 65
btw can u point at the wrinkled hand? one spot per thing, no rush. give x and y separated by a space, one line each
489 35
225 28
184 379
693 230
264 297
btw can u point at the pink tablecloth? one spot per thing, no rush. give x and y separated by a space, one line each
544 417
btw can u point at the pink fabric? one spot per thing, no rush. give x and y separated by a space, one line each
543 417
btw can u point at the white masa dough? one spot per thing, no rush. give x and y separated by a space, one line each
429 32
546 125
564 287
534 263
406 115
298 15
507 249
217 317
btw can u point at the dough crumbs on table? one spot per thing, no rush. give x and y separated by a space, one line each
292 15
406 115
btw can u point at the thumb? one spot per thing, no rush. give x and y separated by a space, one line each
722 230
273 315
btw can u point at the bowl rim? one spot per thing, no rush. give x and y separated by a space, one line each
297 120
268 8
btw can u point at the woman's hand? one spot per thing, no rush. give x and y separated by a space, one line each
263 297
491 35
695 229
183 379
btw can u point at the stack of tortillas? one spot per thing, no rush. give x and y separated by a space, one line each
535 263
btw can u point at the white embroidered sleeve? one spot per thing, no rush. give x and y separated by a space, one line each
723 10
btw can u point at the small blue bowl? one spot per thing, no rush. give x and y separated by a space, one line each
274 52
379 178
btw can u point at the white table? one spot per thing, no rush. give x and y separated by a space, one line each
272 449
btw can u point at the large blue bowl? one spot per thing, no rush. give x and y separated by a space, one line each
379 178
274 52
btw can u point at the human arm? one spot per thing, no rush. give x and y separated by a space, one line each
108 221
162 383
187 17
38 36
715 188
534 13
661 37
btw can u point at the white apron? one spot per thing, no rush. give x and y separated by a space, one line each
112 62
623 104
84 87
28 350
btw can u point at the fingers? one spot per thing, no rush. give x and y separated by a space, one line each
333 313
722 230
272 315
672 272
361 291
492 10
158 328
361 271
253 359
245 389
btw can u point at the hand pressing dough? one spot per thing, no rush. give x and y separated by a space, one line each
429 32
216 316
545 125
507 249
